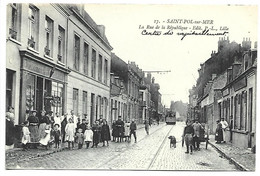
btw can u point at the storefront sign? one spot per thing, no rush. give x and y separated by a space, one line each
240 84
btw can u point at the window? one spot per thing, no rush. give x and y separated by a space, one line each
49 35
75 100
86 48
57 94
77 51
13 27
85 100
61 44
9 88
99 67
33 26
105 71
93 64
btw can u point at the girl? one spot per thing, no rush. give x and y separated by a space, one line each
26 135
88 136
127 131
70 132
45 140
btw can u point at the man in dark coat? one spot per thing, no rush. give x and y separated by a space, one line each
133 130
114 131
120 125
96 134
105 133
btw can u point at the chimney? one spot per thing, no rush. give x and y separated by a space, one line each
101 29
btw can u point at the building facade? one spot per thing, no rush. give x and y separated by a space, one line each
37 64
89 57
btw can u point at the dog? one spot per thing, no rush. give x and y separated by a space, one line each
172 141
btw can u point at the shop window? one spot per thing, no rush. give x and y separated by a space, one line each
57 97
30 94
61 44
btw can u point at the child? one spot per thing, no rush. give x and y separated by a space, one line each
127 131
45 140
88 136
80 138
56 134
26 135
70 132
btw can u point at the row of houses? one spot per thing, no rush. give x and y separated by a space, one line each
228 93
58 59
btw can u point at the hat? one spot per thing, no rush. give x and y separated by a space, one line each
56 124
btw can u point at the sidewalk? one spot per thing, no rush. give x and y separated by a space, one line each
17 155
244 159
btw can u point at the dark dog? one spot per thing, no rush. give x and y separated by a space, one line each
172 141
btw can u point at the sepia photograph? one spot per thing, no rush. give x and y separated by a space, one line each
129 86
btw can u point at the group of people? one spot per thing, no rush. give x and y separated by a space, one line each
221 131
192 134
48 129
121 130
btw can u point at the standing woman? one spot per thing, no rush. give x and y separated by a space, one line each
146 126
219 133
114 130
9 133
33 127
43 120
105 133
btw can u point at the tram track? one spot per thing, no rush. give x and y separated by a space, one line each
127 149
159 149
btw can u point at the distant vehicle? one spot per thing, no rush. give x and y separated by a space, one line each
170 117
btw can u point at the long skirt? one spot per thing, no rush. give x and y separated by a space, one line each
188 139
42 130
34 133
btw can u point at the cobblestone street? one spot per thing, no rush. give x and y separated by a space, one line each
151 152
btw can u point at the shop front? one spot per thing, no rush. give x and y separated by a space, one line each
43 85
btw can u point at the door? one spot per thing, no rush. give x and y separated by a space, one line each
250 105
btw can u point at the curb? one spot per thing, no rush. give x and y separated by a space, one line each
232 160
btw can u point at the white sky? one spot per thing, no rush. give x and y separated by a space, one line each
183 58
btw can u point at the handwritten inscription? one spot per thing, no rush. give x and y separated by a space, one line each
183 28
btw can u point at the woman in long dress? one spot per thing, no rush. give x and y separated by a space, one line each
33 127
43 120
219 133
105 133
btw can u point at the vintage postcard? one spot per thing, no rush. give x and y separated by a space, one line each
130 87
